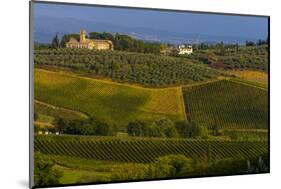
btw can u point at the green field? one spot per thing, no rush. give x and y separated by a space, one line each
116 103
229 104
83 170
145 150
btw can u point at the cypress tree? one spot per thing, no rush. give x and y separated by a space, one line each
56 42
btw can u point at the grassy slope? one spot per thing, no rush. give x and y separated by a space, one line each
231 104
117 103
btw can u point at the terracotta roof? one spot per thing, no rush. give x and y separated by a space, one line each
73 40
87 41
101 41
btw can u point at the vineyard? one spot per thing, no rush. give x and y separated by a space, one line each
145 69
113 102
228 104
146 150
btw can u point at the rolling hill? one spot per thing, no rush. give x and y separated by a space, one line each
113 102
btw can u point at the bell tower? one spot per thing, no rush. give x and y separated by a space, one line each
82 36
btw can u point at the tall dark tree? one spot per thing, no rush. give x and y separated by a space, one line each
221 48
250 43
104 129
183 129
56 42
215 127
61 124
136 128
196 130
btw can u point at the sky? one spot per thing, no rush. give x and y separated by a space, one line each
170 21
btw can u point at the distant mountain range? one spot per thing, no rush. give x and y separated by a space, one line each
45 29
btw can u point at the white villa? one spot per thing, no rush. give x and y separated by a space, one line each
185 49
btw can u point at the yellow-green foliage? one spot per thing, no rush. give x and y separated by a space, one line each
116 103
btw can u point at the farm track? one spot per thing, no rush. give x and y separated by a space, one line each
183 105
43 124
104 79
248 130
248 84
62 108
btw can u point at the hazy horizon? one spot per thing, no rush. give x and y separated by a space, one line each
147 24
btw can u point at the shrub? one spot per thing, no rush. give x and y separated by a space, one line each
44 172
171 166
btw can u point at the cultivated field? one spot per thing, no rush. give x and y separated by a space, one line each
146 150
116 103
228 104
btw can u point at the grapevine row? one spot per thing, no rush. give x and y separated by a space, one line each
143 151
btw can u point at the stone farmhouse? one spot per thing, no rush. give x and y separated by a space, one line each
97 44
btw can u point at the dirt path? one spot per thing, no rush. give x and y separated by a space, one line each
248 84
61 108
182 104
225 78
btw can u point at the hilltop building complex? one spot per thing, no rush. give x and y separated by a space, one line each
97 44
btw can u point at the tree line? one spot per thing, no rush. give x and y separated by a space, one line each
162 127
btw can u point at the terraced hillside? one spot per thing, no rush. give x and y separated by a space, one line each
229 104
146 150
116 103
